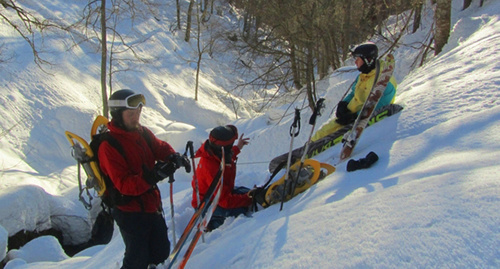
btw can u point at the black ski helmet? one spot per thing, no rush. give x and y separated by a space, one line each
124 99
223 137
368 52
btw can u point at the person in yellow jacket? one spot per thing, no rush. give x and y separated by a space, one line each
365 56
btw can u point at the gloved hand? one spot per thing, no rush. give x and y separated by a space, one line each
160 171
342 109
180 160
362 163
258 195
344 115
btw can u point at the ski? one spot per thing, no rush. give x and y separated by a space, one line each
352 137
202 225
207 204
204 221
190 148
330 140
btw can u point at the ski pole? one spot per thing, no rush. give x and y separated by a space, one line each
294 131
312 121
171 181
189 146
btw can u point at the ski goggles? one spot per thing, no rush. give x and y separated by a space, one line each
131 102
356 55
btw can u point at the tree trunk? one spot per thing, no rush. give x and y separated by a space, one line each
104 53
295 71
246 26
467 3
189 18
200 56
310 77
110 71
178 4
417 16
481 3
333 49
323 57
346 33
256 31
442 19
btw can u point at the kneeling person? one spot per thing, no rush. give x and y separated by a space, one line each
233 200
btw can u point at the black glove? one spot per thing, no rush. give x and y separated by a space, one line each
342 109
344 115
180 160
258 195
160 171
150 176
363 163
186 163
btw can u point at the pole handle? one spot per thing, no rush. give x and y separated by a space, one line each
295 128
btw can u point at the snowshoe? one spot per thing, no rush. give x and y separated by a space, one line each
84 155
99 126
311 172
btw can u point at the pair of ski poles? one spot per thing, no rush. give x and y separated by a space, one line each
294 131
189 147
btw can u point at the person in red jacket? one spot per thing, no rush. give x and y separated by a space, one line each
233 200
135 175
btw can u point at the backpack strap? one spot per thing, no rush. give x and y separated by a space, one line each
148 138
114 143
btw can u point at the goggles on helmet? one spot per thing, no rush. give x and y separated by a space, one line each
131 102
356 55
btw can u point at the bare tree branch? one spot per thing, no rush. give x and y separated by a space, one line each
27 25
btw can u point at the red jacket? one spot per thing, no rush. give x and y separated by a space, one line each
208 167
126 172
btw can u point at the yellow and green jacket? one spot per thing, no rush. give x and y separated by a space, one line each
359 93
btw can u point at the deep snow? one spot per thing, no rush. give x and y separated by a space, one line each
431 201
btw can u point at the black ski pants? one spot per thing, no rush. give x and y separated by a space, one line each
145 236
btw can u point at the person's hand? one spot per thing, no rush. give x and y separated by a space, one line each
258 194
160 171
164 169
242 142
342 109
180 160
150 176
344 115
